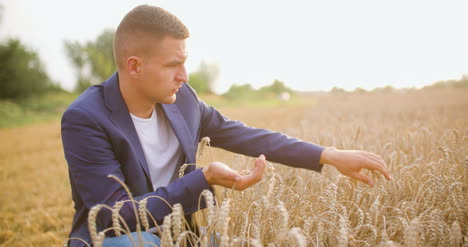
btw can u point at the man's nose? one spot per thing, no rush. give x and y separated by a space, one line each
182 74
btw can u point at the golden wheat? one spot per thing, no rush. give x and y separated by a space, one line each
422 136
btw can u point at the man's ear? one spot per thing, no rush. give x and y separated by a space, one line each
134 66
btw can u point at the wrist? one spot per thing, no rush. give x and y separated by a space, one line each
327 155
207 175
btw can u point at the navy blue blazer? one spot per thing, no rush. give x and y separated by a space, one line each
99 139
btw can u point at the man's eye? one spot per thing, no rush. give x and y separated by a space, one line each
173 65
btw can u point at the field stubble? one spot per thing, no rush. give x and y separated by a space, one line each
422 136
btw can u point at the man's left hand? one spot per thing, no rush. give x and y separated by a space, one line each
351 162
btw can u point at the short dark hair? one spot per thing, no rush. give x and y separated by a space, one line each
142 23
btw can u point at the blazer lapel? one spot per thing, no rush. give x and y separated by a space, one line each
120 116
181 130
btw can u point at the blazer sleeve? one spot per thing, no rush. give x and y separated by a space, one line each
236 137
91 159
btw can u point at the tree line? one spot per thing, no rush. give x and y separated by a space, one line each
22 73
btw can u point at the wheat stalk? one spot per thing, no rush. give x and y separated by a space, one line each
115 217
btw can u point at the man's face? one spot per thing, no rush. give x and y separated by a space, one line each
163 72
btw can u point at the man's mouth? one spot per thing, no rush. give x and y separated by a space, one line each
176 90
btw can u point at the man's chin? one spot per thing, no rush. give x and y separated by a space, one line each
170 100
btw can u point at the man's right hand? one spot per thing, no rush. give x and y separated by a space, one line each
220 174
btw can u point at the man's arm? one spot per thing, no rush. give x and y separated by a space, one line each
236 137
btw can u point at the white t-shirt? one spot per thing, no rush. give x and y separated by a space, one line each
160 145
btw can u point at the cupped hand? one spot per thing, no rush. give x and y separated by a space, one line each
351 162
218 173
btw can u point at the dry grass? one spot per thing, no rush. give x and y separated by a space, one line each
35 205
423 136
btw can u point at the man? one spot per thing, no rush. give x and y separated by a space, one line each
144 121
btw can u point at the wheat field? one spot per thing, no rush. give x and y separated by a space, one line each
422 136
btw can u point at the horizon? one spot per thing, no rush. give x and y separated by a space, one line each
375 89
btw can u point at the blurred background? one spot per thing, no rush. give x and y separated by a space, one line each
238 50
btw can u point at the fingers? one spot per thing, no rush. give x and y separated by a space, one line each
260 166
377 163
350 163
381 161
363 178
255 176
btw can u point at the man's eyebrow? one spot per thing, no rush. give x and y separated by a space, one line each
178 60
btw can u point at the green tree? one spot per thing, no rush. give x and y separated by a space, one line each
101 56
360 90
463 82
239 92
386 89
276 88
337 90
93 60
198 82
21 72
77 54
203 80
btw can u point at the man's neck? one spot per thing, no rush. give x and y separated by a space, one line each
136 103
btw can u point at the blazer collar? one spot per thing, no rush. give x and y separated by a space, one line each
120 116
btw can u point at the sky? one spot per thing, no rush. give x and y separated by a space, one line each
309 45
